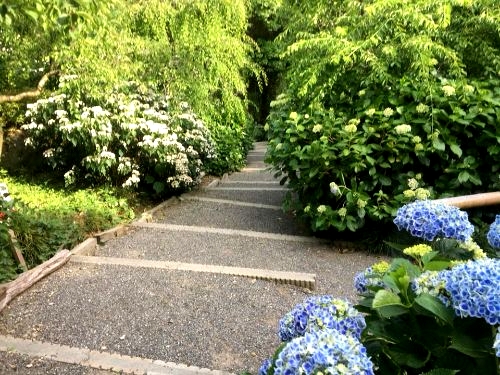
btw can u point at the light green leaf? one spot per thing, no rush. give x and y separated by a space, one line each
463 177
438 144
386 181
437 265
456 149
388 304
158 186
475 180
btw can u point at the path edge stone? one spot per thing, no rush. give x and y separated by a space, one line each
100 360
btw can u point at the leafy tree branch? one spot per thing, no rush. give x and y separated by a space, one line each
30 93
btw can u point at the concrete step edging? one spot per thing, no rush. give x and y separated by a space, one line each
100 360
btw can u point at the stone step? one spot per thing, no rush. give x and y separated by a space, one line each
255 157
232 187
305 280
228 216
156 314
252 175
334 269
238 199
273 198
46 358
256 164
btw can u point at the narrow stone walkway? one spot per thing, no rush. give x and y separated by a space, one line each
199 287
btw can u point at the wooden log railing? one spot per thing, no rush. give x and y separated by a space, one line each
474 200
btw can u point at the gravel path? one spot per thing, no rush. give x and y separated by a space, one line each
199 319
15 363
205 320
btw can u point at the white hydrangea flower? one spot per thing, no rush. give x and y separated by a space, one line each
321 209
317 128
469 89
412 183
422 194
48 153
370 112
403 129
448 90
388 112
334 188
351 128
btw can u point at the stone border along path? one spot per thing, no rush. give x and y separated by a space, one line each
238 196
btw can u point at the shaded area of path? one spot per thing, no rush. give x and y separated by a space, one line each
162 318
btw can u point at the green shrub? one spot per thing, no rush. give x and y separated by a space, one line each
203 56
8 267
382 95
45 219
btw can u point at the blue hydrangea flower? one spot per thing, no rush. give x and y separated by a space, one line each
321 312
474 289
493 234
327 351
428 220
264 368
431 282
367 278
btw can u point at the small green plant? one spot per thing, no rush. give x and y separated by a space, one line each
46 219
8 266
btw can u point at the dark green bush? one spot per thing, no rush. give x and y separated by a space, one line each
382 100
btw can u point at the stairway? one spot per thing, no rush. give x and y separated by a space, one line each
197 288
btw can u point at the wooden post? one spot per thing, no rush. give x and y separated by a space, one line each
474 200
10 290
16 251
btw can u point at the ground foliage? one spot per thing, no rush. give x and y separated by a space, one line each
379 93
45 218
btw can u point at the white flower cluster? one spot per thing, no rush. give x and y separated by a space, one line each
402 129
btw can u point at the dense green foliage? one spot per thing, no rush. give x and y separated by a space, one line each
377 94
191 51
146 95
45 219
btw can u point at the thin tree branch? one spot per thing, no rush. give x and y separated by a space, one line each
30 93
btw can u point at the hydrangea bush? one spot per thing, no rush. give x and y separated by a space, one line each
379 93
428 312
134 137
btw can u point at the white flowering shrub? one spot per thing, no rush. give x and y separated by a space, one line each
134 137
